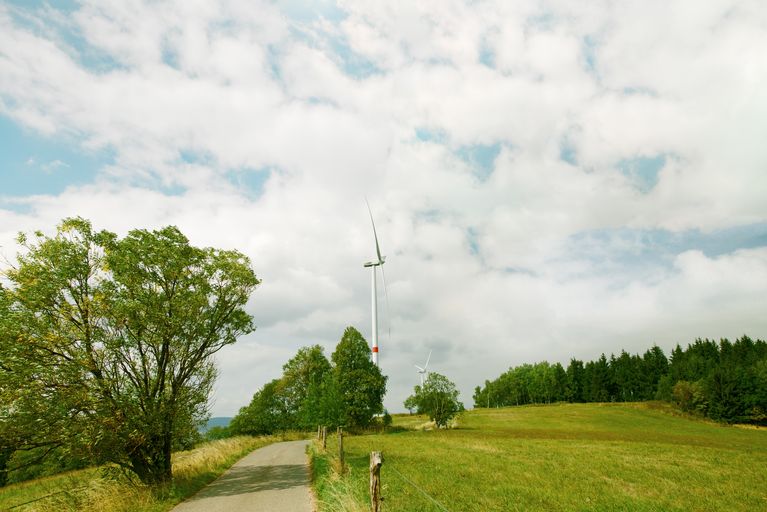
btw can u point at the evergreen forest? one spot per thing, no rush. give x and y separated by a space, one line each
724 381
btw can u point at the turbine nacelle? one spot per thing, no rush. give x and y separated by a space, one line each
422 371
375 263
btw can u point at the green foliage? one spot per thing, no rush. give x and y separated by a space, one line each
690 396
312 391
387 419
438 398
266 413
359 382
107 343
725 381
302 381
217 432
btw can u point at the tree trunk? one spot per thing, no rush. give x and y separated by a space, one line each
152 462
5 455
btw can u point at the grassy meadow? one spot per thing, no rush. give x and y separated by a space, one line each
92 490
632 457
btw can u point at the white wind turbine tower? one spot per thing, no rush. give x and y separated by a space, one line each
422 371
374 293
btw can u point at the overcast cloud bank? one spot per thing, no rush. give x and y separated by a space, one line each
549 179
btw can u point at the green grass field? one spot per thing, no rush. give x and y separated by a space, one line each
633 457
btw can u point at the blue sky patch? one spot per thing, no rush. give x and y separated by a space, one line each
627 250
640 91
643 170
481 158
68 38
431 135
33 164
298 10
486 55
191 156
273 59
568 153
169 54
589 52
351 62
60 5
250 181
337 48
472 238
542 21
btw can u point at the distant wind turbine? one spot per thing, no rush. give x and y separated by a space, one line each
374 292
423 371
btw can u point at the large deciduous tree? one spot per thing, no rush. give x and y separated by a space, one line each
358 380
302 381
438 398
111 341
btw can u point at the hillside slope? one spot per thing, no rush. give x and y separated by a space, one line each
635 457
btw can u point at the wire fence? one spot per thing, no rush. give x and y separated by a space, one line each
426 494
387 467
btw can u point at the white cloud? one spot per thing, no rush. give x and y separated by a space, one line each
187 94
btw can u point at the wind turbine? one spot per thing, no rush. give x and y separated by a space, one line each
374 292
422 371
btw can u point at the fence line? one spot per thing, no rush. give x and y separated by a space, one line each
406 479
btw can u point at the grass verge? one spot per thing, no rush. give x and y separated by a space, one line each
93 490
568 457
335 492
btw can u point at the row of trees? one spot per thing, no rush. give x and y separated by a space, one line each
346 391
725 381
106 345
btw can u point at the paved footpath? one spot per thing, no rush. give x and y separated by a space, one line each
274 478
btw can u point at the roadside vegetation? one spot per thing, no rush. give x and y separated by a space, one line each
559 457
106 489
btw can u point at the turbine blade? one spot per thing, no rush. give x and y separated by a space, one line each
375 235
427 360
419 368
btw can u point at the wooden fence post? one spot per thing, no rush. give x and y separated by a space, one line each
319 431
376 459
324 437
341 447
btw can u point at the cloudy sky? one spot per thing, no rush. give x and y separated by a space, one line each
549 179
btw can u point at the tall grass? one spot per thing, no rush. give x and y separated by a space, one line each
105 490
568 457
336 490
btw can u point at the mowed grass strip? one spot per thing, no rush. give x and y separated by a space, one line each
89 490
633 457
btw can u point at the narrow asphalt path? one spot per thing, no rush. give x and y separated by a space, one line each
274 478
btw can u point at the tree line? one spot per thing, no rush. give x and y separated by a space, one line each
346 390
725 381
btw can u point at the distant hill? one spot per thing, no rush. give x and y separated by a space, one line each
219 421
